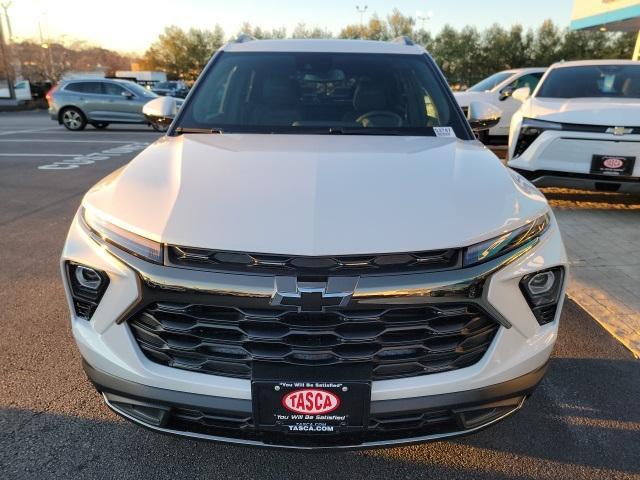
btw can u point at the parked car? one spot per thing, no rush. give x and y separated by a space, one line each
315 271
497 90
581 127
172 88
22 90
99 102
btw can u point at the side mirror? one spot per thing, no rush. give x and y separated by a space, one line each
483 116
127 94
521 94
160 111
505 93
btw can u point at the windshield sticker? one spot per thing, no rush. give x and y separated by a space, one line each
444 132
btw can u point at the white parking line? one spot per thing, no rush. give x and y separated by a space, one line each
90 158
40 154
38 130
27 140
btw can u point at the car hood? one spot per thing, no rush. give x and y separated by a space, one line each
315 194
465 98
587 111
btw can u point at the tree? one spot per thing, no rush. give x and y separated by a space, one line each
547 44
301 31
400 24
183 54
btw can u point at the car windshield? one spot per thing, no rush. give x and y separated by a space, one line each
610 81
139 90
294 92
490 83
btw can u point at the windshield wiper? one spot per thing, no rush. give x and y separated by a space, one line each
181 130
406 131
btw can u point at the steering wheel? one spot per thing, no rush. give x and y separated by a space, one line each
392 119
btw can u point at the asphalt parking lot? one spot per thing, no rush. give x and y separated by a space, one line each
582 422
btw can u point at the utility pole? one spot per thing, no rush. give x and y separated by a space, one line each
8 68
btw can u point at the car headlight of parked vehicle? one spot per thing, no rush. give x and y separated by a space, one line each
530 130
104 231
507 242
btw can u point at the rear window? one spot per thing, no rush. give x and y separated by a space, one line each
293 92
84 87
610 81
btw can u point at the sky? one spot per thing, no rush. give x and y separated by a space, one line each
131 26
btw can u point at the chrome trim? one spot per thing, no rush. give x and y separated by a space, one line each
407 289
364 445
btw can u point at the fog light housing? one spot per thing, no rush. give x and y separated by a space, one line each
87 277
87 286
542 291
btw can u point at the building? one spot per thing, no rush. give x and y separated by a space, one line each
608 16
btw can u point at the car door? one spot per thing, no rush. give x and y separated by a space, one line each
121 104
87 96
510 105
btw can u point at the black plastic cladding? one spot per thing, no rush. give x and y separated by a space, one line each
313 266
545 313
85 300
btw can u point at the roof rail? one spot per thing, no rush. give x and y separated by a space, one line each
403 39
244 37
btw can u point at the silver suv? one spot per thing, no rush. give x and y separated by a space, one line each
74 103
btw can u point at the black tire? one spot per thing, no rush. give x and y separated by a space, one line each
73 119
483 136
159 128
100 125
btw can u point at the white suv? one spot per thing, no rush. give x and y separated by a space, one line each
497 90
581 127
318 254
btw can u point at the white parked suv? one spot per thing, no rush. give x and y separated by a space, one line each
581 127
318 254
497 89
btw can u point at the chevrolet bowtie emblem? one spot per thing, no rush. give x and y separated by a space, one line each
619 130
313 296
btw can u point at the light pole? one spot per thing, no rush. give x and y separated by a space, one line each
423 17
5 6
361 10
4 51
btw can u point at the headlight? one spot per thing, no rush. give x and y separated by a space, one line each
530 130
507 242
130 242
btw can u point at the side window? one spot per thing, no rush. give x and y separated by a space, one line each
529 80
85 87
75 87
112 89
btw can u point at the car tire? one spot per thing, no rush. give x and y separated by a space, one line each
73 119
100 126
159 128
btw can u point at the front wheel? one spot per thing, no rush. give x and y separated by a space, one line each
73 119
100 126
159 128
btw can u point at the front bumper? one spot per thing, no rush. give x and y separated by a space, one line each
406 421
120 369
563 159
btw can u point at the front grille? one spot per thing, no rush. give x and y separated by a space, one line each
394 342
387 263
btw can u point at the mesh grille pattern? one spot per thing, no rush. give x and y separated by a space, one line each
396 342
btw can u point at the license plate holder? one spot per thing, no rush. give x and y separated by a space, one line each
281 406
612 165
